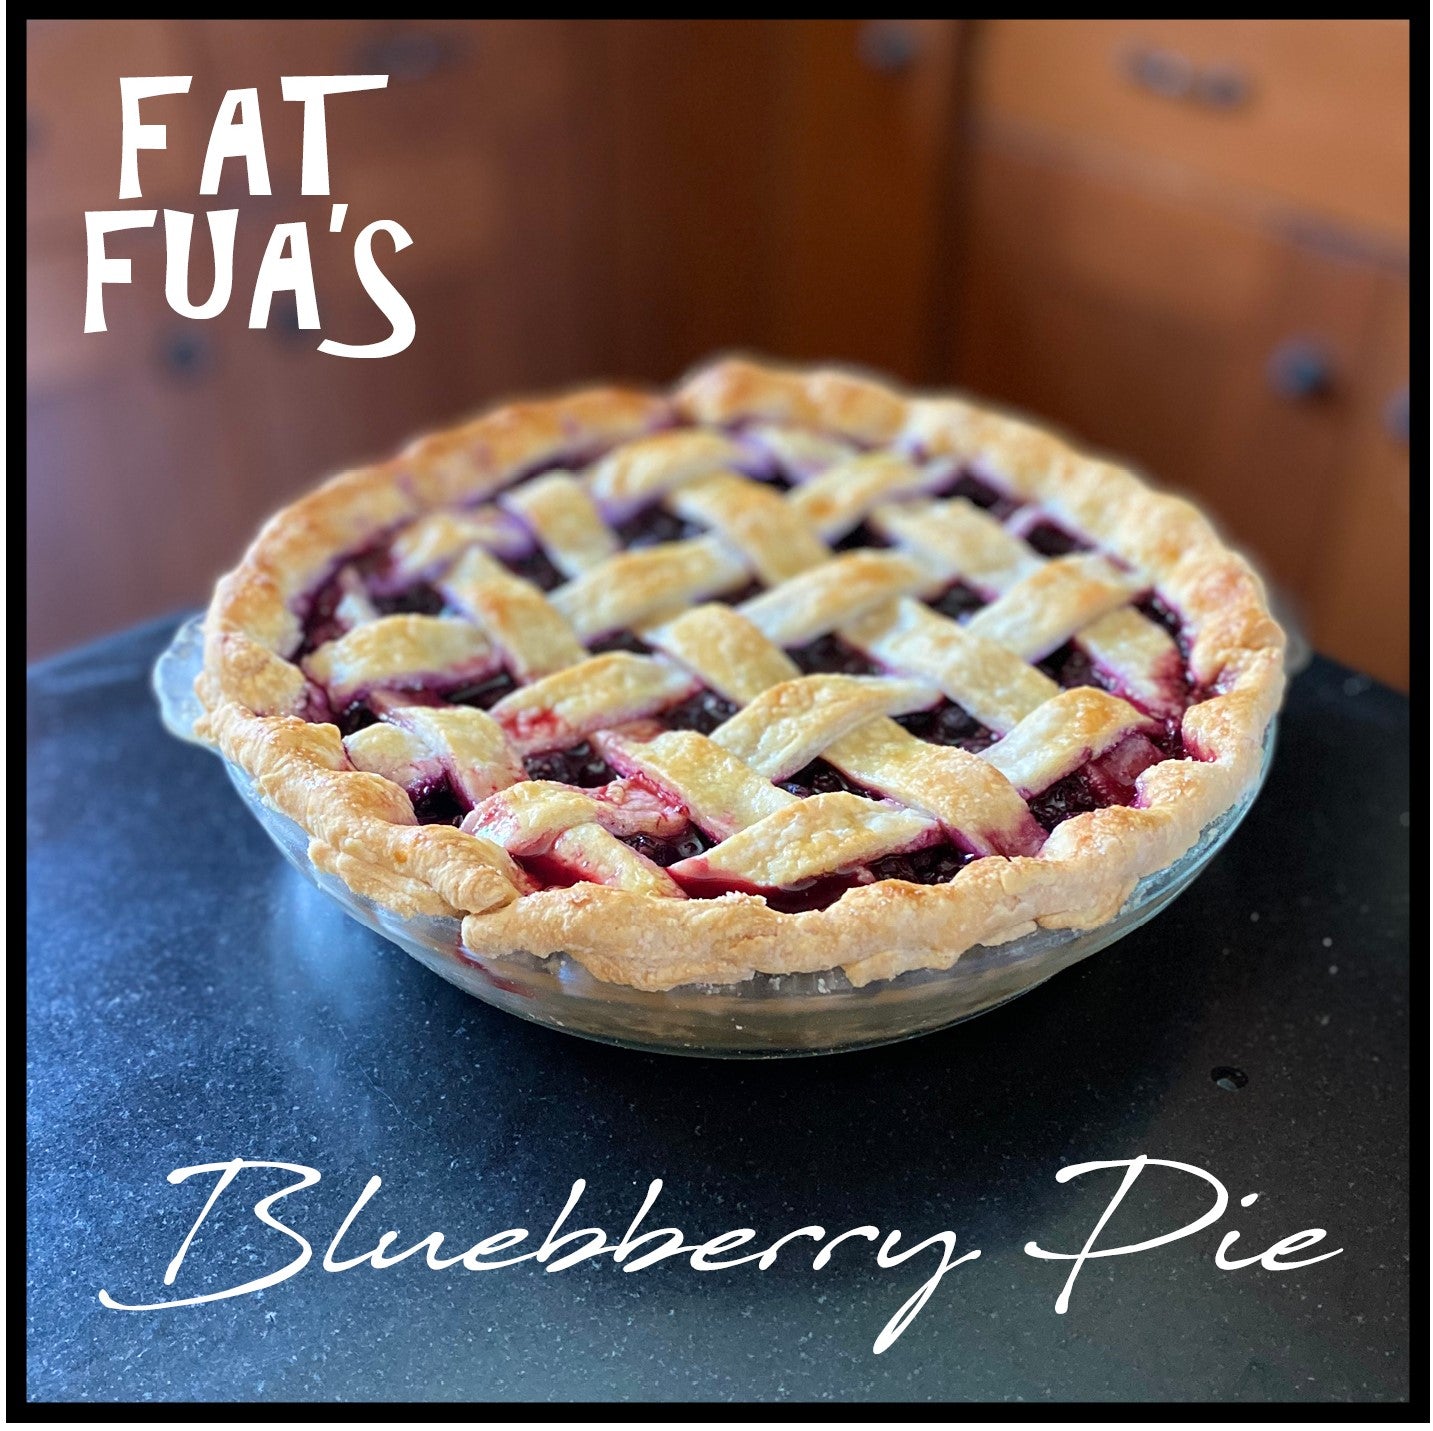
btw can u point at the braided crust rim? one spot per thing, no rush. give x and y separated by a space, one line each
361 825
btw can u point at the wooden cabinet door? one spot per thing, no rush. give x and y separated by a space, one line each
769 185
1361 612
1171 336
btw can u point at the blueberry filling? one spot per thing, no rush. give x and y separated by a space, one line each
321 623
983 494
862 536
1065 798
578 765
933 865
684 846
958 601
1053 541
482 694
621 641
653 526
820 778
436 803
703 712
949 724
1070 667
353 717
832 655
1154 609
536 568
420 599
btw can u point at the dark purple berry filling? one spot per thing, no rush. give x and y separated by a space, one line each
621 641
832 655
703 712
1054 541
536 568
933 865
654 525
684 846
949 724
958 601
1065 798
983 494
482 694
354 716
820 778
320 625
812 894
862 536
578 765
420 599
1154 609
437 804
1071 667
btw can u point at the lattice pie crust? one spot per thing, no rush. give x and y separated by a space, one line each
828 676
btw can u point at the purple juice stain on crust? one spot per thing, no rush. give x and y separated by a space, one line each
958 601
936 864
984 494
831 655
578 765
684 846
703 713
1054 541
949 724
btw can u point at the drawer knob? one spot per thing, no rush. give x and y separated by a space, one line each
1300 369
185 355
1161 72
887 47
1222 87
1395 416
406 56
1170 75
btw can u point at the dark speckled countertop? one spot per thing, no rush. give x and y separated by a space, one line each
191 1000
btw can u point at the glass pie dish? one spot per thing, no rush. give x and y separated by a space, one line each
768 1016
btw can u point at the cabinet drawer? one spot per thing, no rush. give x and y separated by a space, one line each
1311 113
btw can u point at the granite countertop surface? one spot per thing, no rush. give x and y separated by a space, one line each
191 1000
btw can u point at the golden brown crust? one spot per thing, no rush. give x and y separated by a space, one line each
362 825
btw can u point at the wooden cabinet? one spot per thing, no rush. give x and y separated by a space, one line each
1166 301
1184 241
1365 553
1310 115
586 199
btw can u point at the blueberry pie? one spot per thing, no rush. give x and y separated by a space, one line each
784 672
